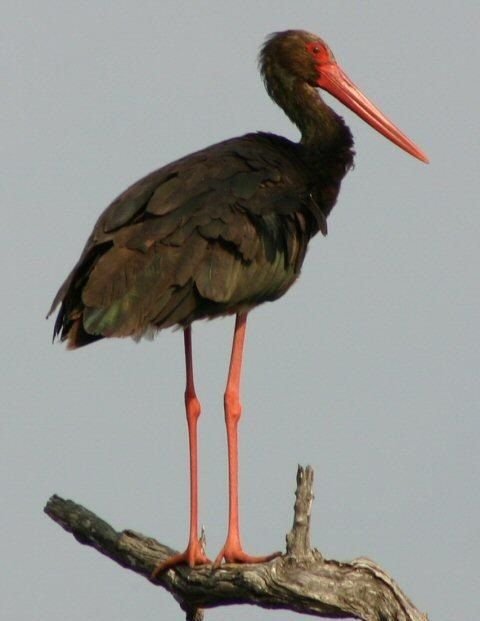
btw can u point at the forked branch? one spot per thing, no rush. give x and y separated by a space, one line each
301 580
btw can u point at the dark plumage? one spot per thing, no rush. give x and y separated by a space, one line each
216 232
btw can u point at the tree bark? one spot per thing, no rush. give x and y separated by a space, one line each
301 580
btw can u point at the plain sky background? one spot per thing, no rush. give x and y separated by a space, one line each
367 369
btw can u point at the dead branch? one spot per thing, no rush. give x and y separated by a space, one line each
300 580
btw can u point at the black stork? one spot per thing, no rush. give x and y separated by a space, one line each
219 232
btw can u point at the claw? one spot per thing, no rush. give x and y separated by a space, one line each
193 556
235 554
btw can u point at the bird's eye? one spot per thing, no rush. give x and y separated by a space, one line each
315 49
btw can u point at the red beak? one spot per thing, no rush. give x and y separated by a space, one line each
337 83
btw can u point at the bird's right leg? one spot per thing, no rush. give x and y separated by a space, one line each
194 553
232 551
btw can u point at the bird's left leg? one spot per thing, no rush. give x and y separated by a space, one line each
194 553
232 551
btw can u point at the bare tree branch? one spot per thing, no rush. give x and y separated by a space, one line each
301 580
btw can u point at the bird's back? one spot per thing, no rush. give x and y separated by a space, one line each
216 232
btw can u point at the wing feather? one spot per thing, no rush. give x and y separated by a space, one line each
223 229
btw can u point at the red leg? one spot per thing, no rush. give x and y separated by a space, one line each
194 554
232 551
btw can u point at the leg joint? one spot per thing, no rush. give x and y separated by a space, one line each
233 407
192 405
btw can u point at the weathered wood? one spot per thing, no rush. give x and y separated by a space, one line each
301 580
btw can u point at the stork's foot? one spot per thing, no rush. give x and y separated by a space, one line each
233 553
194 555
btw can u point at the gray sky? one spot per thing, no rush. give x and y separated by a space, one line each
367 369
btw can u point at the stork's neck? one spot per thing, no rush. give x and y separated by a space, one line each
325 135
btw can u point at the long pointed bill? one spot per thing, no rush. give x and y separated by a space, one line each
337 83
